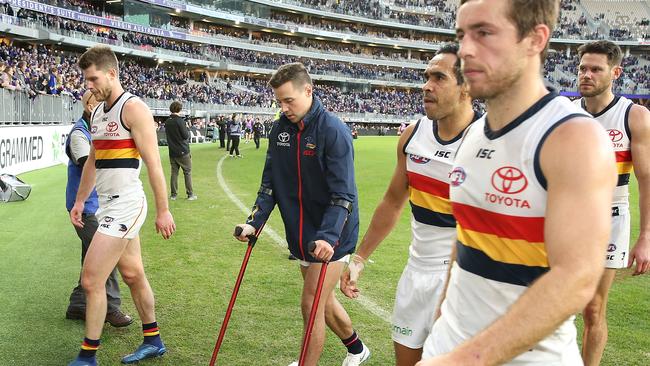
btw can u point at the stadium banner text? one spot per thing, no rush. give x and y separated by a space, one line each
87 18
23 149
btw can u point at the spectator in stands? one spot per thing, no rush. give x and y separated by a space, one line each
51 82
77 147
22 81
6 77
178 137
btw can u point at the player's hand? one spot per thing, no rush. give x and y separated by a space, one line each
246 230
351 275
323 251
165 224
75 214
641 255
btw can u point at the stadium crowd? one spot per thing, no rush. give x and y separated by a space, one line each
218 53
442 14
41 70
434 13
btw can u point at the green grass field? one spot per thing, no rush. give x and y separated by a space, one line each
193 273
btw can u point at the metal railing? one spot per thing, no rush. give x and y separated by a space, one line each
17 108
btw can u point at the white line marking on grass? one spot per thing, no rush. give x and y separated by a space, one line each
222 183
364 301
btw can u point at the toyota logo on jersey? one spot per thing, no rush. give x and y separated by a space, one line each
283 137
111 127
509 180
615 135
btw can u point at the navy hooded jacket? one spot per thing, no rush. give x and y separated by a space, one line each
309 174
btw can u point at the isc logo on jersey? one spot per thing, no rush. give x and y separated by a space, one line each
508 181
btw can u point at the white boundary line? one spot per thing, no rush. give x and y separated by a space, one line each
364 301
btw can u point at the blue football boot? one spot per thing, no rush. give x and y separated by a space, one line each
144 352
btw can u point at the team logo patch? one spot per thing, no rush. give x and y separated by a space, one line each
108 219
611 248
123 228
310 146
93 129
509 180
457 176
283 137
615 135
419 159
111 127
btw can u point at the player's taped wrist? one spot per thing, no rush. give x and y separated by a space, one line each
356 265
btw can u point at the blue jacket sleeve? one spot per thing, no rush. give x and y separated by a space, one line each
339 173
265 201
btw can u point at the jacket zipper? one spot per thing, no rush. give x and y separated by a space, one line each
300 219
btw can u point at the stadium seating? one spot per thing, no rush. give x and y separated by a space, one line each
37 69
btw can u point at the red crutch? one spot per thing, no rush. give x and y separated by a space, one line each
314 307
222 332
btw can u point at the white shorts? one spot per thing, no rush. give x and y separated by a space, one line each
122 216
344 259
552 351
416 301
618 250
472 303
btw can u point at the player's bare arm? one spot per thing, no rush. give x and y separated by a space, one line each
383 220
576 233
137 116
639 122
85 187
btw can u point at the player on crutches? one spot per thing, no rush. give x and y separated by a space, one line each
309 175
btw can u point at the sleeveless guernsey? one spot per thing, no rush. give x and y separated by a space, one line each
614 119
116 157
498 195
428 164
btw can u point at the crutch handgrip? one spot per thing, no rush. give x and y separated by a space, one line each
311 246
251 238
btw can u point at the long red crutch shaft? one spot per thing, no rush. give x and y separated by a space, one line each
314 309
222 332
